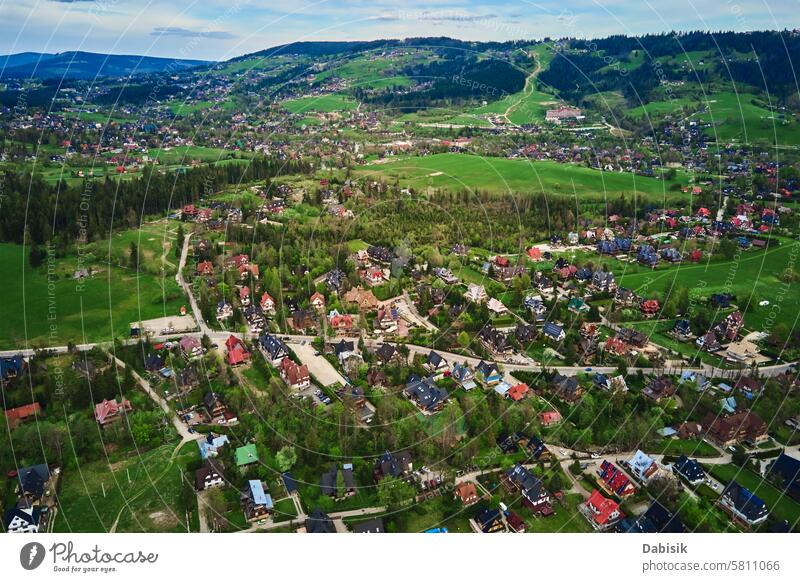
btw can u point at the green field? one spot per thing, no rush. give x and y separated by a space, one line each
143 492
500 175
779 504
323 103
100 311
754 271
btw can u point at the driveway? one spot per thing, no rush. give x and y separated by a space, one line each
319 367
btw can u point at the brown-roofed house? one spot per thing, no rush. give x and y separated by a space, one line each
18 415
732 429
467 492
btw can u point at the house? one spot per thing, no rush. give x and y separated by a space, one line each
426 394
109 411
682 329
237 352
20 414
209 475
553 332
625 297
742 505
210 446
273 348
463 376
642 466
267 303
690 470
525 332
709 342
487 373
534 495
344 350
376 378
518 392
614 481
374 525
302 319
319 522
387 353
617 384
205 268
372 276
489 521
23 519
214 406
660 387
688 430
435 364
577 305
256 502
786 470
494 340
496 306
535 304
749 386
393 464
601 512
191 346
656 519
224 310
534 447
475 293
341 322
246 455
550 417
515 522
566 387
33 481
317 300
467 492
649 307
743 426
604 282
364 298
295 375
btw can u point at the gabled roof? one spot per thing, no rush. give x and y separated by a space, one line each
33 479
246 455
752 508
319 522
689 468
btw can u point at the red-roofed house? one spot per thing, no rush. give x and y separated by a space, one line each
649 307
318 300
518 392
601 512
15 416
205 268
295 375
109 411
267 303
550 417
237 351
535 254
341 322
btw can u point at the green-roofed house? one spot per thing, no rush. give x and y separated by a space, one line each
246 455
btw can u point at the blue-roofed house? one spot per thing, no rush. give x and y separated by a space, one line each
11 367
787 470
487 373
463 376
502 388
690 470
210 446
553 331
743 505
256 502
273 348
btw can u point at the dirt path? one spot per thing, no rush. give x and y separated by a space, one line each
526 91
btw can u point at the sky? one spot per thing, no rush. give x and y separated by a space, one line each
223 29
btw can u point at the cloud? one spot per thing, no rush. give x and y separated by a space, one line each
186 33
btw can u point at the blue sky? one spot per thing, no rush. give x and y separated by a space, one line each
221 29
